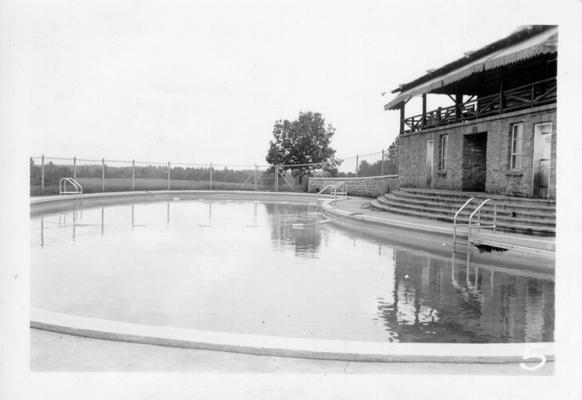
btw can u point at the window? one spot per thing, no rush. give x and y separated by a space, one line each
543 128
516 146
442 152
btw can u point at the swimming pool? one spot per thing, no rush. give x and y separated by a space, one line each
277 269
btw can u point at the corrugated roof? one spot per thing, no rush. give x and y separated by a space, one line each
520 45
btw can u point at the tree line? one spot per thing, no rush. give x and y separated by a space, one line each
54 172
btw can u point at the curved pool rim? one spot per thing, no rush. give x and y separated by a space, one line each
339 350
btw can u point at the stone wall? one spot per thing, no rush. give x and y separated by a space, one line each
499 178
371 186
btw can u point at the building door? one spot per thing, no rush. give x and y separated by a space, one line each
429 162
541 159
474 162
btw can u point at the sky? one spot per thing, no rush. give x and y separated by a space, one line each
204 81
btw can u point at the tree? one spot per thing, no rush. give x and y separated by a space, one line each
302 141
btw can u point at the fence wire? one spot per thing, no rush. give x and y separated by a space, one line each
108 175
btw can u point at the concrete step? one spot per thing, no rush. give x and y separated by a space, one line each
458 200
487 210
464 219
510 226
480 195
451 208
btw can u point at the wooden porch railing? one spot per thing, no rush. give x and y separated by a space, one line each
522 97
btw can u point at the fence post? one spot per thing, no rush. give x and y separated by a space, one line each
103 174
357 163
169 175
255 179
42 173
382 164
132 175
211 168
74 167
276 178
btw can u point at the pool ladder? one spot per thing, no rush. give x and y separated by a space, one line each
470 224
76 187
337 189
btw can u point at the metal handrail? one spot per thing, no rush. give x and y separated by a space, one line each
77 188
333 191
337 187
455 219
478 210
325 188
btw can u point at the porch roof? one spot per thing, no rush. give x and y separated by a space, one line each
525 43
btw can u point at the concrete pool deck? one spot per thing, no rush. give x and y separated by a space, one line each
57 352
317 349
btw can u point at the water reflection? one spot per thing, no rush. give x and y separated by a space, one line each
291 225
435 300
295 225
379 291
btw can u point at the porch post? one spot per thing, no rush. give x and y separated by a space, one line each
501 105
424 109
402 118
458 102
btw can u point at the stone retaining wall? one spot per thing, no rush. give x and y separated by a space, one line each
369 186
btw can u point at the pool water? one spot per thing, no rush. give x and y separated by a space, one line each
274 269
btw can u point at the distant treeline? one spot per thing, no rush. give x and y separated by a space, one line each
54 172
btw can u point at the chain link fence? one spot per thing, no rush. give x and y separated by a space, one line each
106 175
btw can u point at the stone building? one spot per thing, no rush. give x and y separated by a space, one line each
499 133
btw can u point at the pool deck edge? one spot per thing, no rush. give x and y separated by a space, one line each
318 349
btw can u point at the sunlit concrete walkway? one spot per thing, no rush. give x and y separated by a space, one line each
59 352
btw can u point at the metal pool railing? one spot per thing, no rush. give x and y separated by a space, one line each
335 189
470 224
455 219
77 188
478 211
